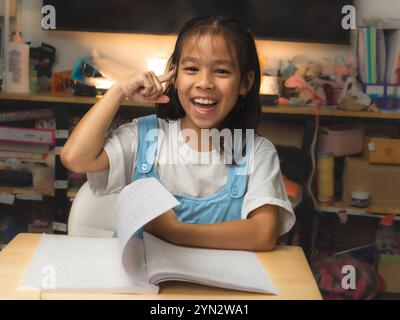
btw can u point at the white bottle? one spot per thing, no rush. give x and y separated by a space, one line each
17 68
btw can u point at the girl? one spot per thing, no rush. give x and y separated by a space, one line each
212 82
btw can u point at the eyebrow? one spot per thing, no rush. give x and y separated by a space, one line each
218 61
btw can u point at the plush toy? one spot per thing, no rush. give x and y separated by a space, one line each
340 68
328 68
307 94
307 69
345 66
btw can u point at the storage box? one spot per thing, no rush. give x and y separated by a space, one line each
385 96
389 269
341 140
382 150
381 181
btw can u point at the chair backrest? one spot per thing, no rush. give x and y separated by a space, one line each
92 216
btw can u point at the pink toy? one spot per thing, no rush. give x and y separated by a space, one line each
306 92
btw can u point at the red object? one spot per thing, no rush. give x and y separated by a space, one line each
388 151
388 220
328 273
282 100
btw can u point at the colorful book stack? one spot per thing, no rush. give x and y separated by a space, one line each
379 64
26 144
22 148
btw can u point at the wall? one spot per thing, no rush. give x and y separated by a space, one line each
133 50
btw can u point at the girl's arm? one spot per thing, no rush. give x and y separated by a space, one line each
83 151
257 233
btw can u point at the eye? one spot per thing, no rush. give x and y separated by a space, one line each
191 69
222 71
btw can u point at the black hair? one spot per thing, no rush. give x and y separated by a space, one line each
246 113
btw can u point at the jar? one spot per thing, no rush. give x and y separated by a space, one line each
360 199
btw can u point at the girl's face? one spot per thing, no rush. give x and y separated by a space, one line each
208 81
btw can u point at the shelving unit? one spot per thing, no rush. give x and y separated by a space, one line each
32 191
19 191
64 105
329 112
62 100
307 115
374 211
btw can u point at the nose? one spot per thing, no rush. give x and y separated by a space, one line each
205 81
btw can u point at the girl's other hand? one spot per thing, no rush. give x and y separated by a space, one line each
163 226
145 87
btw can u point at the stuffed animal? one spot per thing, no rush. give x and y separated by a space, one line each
307 94
307 69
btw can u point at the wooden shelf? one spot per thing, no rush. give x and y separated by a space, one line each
281 109
47 97
376 211
72 192
32 191
328 111
20 191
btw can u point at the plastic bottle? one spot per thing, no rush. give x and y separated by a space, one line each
387 236
325 180
17 69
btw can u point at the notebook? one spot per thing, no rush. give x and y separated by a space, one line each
129 264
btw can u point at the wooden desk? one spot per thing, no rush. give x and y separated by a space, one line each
287 267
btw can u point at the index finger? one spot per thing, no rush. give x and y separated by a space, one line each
166 76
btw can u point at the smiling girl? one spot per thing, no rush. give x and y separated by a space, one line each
212 83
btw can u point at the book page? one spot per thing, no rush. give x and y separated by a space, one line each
231 269
103 265
137 204
77 264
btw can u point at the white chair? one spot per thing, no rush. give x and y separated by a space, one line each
92 216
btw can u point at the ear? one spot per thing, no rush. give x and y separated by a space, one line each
247 83
175 76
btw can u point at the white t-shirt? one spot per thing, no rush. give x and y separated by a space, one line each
190 172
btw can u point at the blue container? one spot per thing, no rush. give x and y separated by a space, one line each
386 96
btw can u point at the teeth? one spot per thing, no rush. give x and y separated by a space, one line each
204 101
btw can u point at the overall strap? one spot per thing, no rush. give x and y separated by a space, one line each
237 177
147 149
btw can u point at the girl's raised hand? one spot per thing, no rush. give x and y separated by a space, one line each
146 87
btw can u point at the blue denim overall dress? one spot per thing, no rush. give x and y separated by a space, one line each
224 205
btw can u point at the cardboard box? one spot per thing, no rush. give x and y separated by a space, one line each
389 267
382 150
381 181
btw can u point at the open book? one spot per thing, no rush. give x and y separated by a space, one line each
131 264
